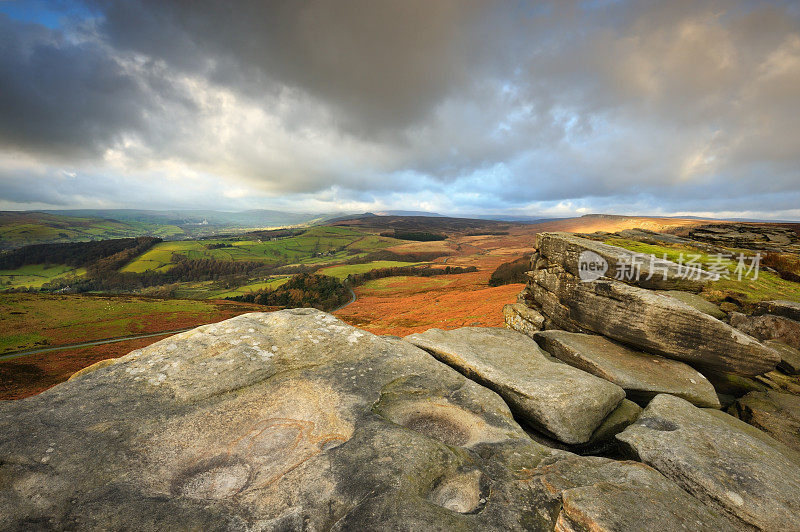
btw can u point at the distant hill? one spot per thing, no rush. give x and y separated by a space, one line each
251 219
20 228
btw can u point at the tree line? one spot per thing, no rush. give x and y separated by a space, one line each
357 279
75 254
419 236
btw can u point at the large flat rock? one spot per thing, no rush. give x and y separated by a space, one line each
294 420
562 401
565 249
601 494
696 301
285 420
724 467
777 414
641 375
649 321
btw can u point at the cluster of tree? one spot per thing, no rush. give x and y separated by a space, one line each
219 245
510 272
75 254
356 279
418 236
303 290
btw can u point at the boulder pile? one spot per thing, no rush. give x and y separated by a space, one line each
294 420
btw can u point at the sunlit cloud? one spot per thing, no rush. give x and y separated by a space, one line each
538 109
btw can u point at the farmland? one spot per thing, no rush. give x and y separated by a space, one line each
36 275
19 229
317 245
344 270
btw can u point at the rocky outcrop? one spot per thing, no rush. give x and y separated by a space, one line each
697 302
746 235
661 323
288 420
641 375
523 319
646 320
724 467
570 252
294 420
777 414
769 327
560 400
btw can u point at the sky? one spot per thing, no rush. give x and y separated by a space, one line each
455 106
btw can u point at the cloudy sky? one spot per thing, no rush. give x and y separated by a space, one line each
536 108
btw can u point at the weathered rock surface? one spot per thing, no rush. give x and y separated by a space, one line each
741 426
787 309
558 399
653 237
696 301
294 420
641 375
601 494
769 327
603 438
716 463
746 235
790 357
646 320
777 414
283 420
523 319
565 249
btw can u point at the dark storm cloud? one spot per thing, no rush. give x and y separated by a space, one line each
448 105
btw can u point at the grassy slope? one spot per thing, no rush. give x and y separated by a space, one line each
23 228
31 320
766 287
35 275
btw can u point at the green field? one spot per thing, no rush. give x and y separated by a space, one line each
318 244
36 275
344 270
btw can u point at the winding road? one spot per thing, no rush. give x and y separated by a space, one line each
15 354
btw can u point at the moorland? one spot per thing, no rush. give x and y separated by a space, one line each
393 275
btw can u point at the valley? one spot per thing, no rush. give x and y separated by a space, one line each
120 288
